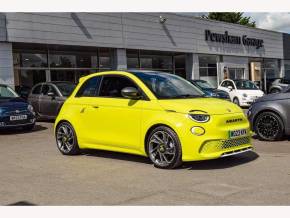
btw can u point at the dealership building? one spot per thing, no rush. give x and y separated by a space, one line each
37 47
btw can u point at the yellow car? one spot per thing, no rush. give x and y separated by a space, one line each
152 114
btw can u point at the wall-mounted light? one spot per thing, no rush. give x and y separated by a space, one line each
162 19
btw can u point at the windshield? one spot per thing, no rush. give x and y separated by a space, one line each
166 86
245 84
65 88
204 84
7 92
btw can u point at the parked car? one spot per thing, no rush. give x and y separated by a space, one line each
154 114
47 98
279 85
242 92
270 116
23 91
15 112
209 90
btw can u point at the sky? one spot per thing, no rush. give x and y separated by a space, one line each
269 20
272 21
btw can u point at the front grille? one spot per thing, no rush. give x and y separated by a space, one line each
235 142
220 145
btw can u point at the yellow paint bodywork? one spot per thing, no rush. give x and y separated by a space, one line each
119 124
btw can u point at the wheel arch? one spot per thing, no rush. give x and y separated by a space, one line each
149 130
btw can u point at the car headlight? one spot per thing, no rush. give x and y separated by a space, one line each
245 95
30 108
200 118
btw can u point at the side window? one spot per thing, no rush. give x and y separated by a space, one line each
90 87
230 83
224 84
112 86
36 90
45 89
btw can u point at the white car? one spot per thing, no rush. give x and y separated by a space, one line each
242 92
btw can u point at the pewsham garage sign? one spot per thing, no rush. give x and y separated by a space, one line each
230 39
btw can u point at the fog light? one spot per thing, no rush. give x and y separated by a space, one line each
197 130
2 124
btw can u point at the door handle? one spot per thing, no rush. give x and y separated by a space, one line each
95 106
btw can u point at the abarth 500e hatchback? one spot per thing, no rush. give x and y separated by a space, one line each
154 114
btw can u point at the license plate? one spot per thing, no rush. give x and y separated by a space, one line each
19 117
237 133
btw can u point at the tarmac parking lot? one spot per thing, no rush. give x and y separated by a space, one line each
33 172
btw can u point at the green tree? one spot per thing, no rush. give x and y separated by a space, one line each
231 17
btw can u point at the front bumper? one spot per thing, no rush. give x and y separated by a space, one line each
6 123
216 141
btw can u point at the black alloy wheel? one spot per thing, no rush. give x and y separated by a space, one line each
164 148
269 126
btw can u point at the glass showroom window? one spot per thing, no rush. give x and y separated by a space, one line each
179 63
161 61
287 71
105 62
270 69
236 73
133 61
208 68
29 69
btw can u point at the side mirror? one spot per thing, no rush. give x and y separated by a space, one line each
131 93
230 88
51 94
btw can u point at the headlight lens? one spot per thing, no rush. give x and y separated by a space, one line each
30 108
245 95
200 118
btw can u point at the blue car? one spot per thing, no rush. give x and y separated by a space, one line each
209 90
15 112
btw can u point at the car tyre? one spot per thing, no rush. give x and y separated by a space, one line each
236 101
66 139
269 126
164 148
275 90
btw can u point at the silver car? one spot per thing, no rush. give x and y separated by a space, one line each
47 98
279 85
270 116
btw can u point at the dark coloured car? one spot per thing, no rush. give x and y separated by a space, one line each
47 98
209 90
15 112
270 116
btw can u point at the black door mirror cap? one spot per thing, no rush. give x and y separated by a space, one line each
131 93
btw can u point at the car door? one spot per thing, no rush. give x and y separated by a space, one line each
112 120
48 105
33 97
232 92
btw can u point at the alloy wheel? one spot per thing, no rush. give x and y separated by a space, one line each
162 148
65 138
268 126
